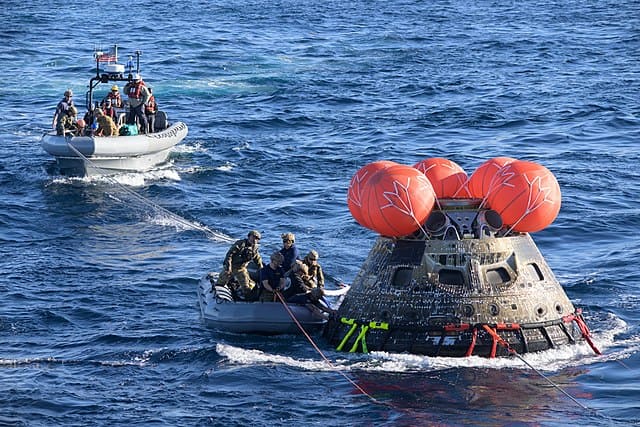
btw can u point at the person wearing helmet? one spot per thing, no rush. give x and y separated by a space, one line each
80 127
62 108
67 124
114 97
289 251
109 110
315 270
138 95
235 263
90 119
150 111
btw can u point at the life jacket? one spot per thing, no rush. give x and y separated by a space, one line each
152 107
135 90
115 98
63 107
111 112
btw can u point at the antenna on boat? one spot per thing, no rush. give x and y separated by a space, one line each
138 53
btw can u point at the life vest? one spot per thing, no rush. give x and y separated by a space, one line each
135 90
151 106
111 112
115 98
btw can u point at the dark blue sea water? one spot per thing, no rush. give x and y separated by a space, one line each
285 100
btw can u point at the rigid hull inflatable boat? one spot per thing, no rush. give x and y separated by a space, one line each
88 154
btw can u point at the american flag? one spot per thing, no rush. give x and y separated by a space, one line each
106 57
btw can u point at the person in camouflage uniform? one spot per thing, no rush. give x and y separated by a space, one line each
241 253
62 109
67 124
315 270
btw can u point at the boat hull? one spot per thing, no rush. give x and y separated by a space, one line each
264 318
112 154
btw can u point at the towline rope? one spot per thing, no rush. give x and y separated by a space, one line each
214 235
511 351
324 357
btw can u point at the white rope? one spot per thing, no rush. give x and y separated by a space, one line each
214 235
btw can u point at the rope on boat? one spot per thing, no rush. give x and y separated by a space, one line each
497 338
214 235
324 357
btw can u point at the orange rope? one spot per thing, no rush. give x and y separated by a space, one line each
360 389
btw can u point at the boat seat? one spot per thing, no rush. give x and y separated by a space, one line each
162 122
122 117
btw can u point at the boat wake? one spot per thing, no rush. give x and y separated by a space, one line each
130 179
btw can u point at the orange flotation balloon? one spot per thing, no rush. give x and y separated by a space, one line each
527 197
485 178
397 200
358 181
447 177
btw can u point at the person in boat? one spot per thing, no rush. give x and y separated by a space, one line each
67 124
315 270
110 111
106 126
114 97
138 95
304 291
301 283
80 127
150 110
271 278
289 251
90 118
62 108
235 263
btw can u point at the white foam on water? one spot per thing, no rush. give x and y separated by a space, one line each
228 166
194 147
140 179
244 356
545 361
129 179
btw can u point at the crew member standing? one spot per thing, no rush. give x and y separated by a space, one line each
114 96
62 108
138 95
150 110
238 257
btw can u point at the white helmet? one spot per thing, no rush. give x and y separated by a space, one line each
137 76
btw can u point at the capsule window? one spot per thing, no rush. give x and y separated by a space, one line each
534 272
498 276
450 277
402 277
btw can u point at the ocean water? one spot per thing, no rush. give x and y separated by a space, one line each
285 100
